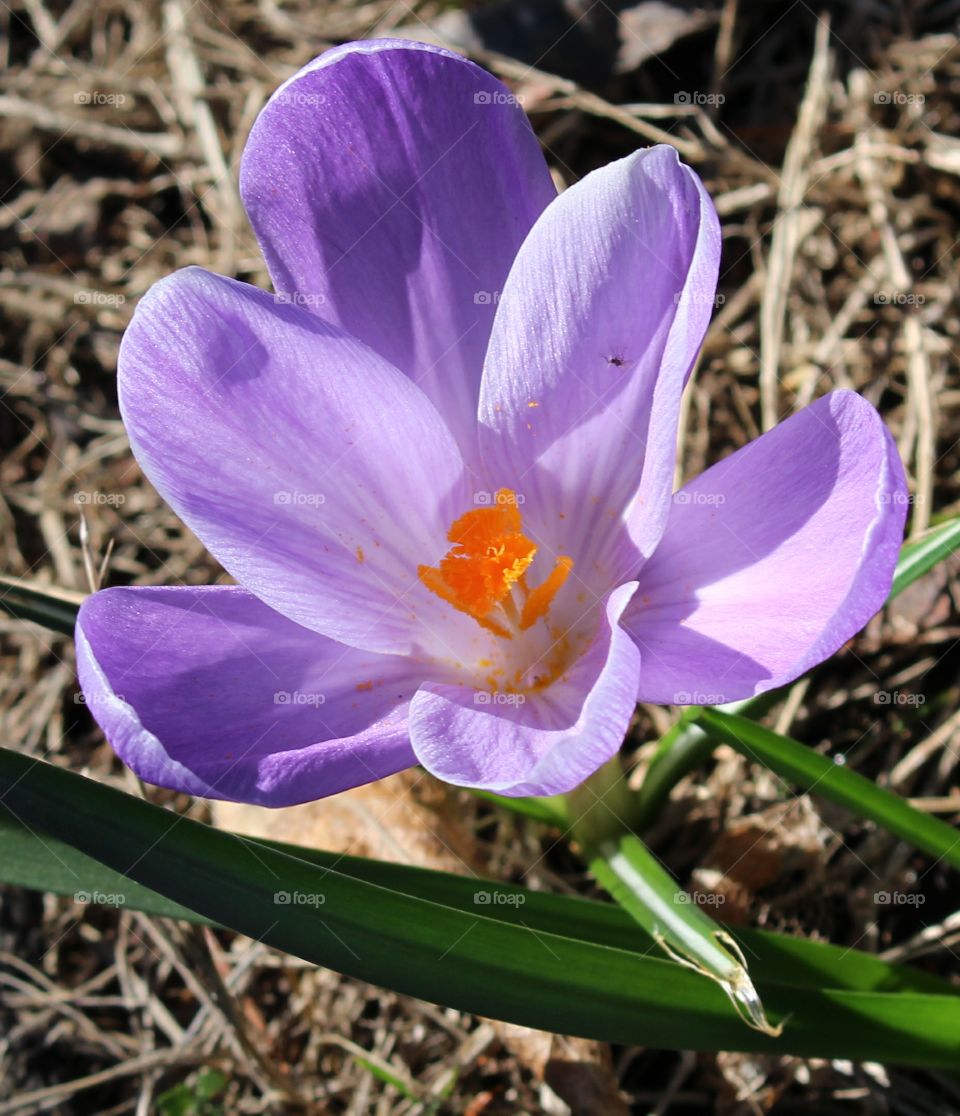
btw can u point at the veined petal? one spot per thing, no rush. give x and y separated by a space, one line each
546 744
316 473
773 558
597 330
390 185
210 692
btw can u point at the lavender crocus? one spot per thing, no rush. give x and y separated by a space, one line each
438 463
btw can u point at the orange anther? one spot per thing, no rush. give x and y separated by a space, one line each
490 554
537 605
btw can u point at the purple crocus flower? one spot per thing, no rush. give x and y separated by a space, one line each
439 461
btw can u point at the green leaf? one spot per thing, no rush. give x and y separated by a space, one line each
775 957
488 957
550 811
649 894
30 857
619 866
54 608
820 775
680 751
921 555
194 1096
34 859
387 1076
634 877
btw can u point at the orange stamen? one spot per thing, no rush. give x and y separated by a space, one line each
489 556
537 605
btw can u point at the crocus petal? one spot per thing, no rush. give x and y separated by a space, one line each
596 332
390 185
773 558
546 744
318 475
210 692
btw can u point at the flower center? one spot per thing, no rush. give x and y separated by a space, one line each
488 560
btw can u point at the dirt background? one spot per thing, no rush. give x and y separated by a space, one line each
827 136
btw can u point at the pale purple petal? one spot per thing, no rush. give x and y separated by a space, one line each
548 744
773 558
209 692
390 185
597 330
317 474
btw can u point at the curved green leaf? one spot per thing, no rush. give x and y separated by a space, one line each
38 860
820 775
773 957
634 877
917 557
54 608
490 960
550 811
629 872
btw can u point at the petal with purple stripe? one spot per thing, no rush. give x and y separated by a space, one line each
773 558
390 185
210 692
317 474
549 742
597 330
